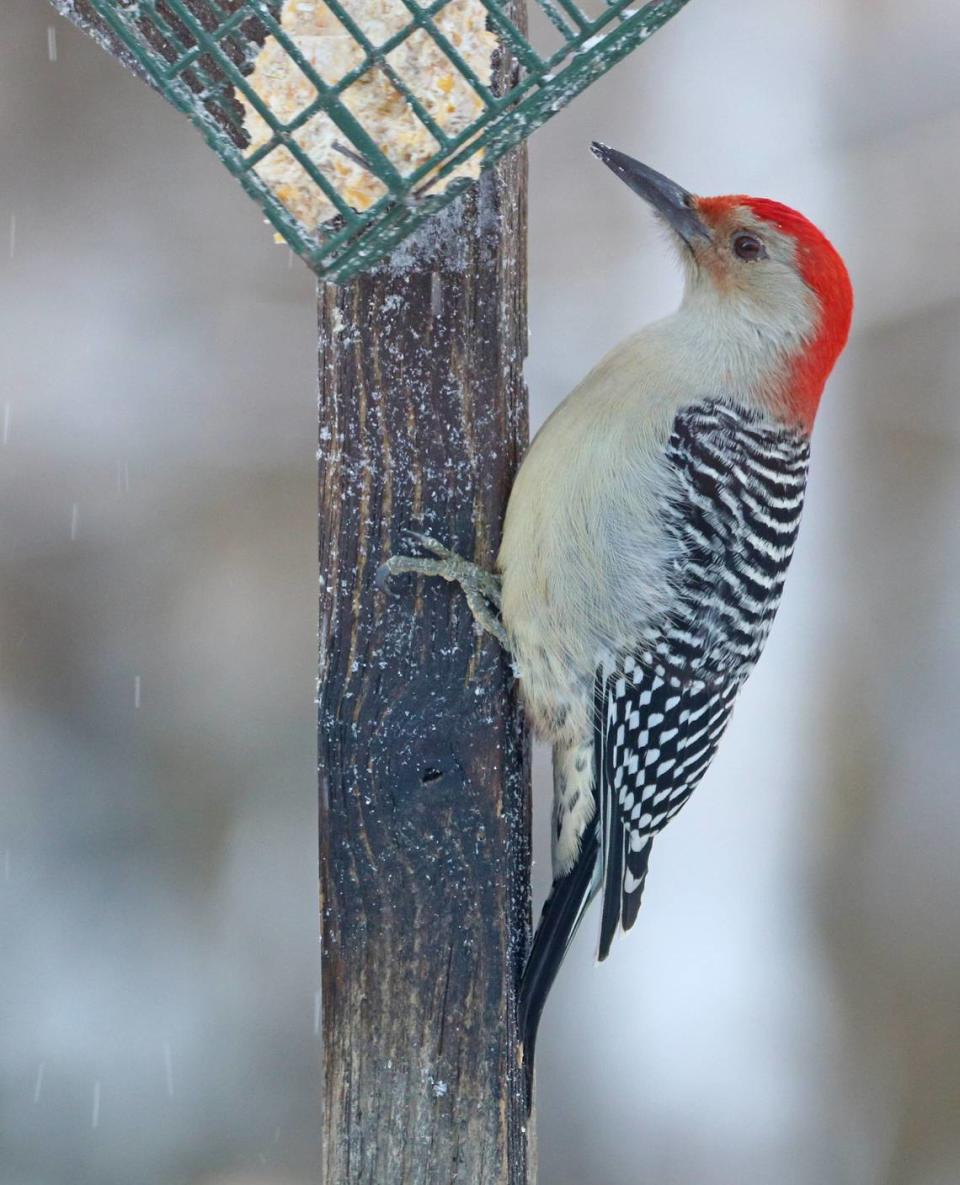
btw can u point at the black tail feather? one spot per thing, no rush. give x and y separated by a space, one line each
612 888
563 910
561 916
612 834
637 868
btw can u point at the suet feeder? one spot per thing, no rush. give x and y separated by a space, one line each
351 121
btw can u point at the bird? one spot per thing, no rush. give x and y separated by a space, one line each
646 541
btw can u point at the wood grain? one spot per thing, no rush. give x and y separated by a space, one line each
423 759
424 762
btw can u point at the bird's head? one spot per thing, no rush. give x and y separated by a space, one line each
762 279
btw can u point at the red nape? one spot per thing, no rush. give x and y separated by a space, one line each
824 273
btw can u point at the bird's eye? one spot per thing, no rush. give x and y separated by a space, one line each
748 247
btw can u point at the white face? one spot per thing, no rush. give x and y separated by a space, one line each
747 312
751 266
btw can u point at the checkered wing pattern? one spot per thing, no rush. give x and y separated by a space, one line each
656 738
733 516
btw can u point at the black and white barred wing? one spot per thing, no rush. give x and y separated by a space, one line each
655 739
732 518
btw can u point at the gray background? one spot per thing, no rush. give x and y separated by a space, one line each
788 1008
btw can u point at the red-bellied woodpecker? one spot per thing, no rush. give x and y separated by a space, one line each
647 538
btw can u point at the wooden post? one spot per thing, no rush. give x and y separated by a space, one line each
424 764
424 821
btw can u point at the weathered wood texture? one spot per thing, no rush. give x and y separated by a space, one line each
424 764
423 759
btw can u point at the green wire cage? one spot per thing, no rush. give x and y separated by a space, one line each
266 81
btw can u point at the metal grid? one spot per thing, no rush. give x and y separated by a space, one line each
199 54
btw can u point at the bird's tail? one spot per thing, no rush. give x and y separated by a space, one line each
562 914
624 857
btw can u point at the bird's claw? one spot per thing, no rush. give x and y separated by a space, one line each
397 565
481 588
381 580
428 543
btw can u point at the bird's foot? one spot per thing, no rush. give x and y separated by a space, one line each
481 588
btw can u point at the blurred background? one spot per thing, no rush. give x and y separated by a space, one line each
788 1008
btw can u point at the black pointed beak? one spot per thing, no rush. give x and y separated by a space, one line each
670 201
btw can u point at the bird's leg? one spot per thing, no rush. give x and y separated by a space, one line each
481 588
